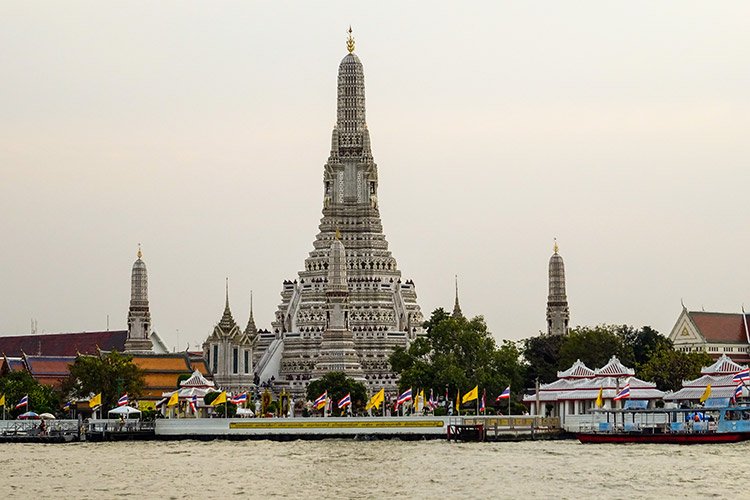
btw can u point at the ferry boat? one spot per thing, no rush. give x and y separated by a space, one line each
728 424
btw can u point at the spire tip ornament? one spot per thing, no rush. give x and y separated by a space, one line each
139 254
555 247
350 41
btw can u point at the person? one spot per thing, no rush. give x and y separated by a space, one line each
42 428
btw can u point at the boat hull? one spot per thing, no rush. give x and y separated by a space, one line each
676 438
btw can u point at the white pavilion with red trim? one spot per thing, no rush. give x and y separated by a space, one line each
719 375
577 388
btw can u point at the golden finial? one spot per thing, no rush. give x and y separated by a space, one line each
350 41
555 248
338 234
139 254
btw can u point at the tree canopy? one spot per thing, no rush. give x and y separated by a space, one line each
112 375
42 398
457 354
338 385
668 368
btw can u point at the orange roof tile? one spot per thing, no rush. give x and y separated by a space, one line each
727 328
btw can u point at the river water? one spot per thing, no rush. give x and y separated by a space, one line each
371 469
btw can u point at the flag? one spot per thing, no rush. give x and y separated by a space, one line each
432 402
95 401
482 402
599 401
2 400
404 397
623 394
471 395
123 400
67 406
194 404
345 401
742 376
458 400
239 399
220 399
504 395
175 398
376 400
321 401
422 399
24 402
706 394
738 392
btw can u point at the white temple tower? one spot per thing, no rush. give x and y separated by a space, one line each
558 314
139 316
381 309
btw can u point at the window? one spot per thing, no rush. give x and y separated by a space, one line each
215 358
235 360
247 362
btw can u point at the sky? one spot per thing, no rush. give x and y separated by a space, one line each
200 130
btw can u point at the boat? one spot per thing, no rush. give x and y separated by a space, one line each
727 424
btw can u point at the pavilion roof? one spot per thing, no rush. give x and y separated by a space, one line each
577 370
197 380
614 368
723 365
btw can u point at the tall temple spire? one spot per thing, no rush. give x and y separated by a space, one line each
381 310
227 321
251 330
558 314
456 306
139 315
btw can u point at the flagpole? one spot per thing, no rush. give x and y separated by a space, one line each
477 401
509 405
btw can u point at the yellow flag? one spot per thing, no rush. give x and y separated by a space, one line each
222 398
706 394
599 400
376 400
2 400
174 399
421 396
458 400
471 395
95 401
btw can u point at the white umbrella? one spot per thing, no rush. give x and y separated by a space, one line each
47 416
124 410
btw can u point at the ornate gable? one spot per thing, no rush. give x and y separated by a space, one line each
685 331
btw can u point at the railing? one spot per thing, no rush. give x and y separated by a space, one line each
494 427
35 427
115 426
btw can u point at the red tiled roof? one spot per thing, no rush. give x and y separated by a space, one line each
40 366
727 328
63 344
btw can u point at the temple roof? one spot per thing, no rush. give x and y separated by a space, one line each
615 369
197 380
728 328
577 370
724 365
63 344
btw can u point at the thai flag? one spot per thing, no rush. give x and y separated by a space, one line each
194 403
123 400
504 395
432 402
345 401
738 392
624 393
742 376
240 398
321 401
403 398
481 403
24 402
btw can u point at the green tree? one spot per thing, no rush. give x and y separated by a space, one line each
595 346
338 385
668 368
111 374
458 353
42 398
542 355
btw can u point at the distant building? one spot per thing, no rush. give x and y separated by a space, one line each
163 371
720 376
715 333
229 351
47 370
558 314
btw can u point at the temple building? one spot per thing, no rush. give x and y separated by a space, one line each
229 351
558 314
381 308
715 333
720 376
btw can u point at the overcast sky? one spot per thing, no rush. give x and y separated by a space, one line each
200 130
